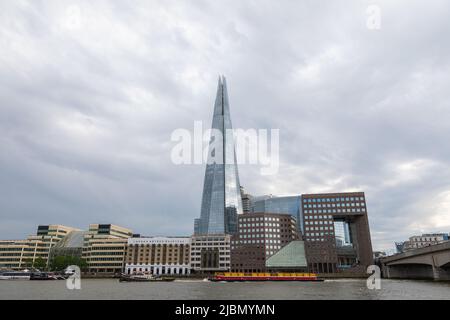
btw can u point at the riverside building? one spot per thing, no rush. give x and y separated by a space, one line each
424 240
20 254
211 253
158 255
284 204
260 236
336 232
104 247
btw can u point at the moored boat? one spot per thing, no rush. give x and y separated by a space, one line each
135 278
15 275
237 276
43 276
144 278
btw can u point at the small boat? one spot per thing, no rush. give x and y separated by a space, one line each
43 276
144 278
135 278
237 276
15 275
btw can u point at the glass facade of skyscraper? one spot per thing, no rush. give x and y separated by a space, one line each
288 205
342 233
221 199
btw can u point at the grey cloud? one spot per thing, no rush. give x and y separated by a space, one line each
87 107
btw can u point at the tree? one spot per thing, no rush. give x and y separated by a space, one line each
60 263
27 263
39 263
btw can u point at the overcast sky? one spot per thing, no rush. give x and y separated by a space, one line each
90 92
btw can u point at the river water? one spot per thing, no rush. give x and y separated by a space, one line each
197 289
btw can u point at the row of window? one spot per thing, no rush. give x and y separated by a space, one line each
317 234
319 217
259 219
319 222
259 230
158 250
316 239
197 252
107 253
259 235
330 228
105 259
333 199
245 225
426 239
258 241
334 205
153 245
345 210
220 259
203 243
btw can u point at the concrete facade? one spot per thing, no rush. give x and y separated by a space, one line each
20 254
260 235
211 253
329 249
432 262
158 255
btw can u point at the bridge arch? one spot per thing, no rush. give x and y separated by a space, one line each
410 271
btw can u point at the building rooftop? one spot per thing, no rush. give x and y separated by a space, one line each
73 240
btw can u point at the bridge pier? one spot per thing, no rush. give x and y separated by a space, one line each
409 272
432 262
441 274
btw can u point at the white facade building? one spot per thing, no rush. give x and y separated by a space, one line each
211 253
425 240
158 255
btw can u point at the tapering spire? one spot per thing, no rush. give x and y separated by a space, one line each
220 96
221 200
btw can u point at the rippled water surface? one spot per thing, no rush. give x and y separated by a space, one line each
193 289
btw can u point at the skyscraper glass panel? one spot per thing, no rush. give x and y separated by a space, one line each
221 199
288 205
342 233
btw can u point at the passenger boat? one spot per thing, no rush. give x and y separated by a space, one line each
237 276
15 275
135 278
143 278
43 276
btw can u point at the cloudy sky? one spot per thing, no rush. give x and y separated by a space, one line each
90 92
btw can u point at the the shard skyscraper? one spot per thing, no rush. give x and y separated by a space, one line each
221 200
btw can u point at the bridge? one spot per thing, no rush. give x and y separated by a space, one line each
432 262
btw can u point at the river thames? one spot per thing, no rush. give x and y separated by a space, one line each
92 289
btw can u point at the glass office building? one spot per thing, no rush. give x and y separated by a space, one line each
221 199
342 233
289 205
